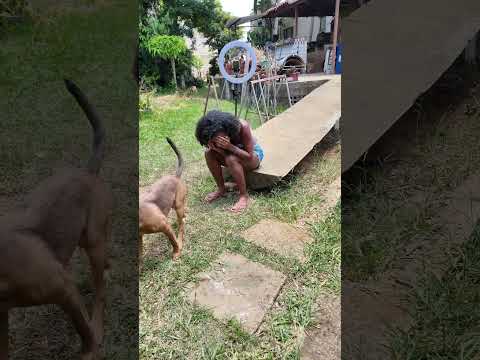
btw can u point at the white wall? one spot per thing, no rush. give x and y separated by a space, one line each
308 28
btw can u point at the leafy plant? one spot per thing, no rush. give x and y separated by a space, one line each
180 18
168 47
197 63
145 103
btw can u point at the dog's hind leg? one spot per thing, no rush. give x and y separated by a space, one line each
177 246
71 303
180 209
98 261
3 335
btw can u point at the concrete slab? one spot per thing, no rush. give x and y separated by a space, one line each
289 137
323 339
381 85
298 90
238 288
283 239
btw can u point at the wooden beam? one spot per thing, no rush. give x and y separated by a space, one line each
296 21
335 35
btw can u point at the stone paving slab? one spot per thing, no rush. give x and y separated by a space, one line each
283 239
323 339
238 288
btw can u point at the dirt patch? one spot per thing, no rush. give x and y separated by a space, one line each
331 195
376 306
323 339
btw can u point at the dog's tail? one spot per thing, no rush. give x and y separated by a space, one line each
180 162
96 158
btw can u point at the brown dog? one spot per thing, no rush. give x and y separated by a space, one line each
155 204
37 242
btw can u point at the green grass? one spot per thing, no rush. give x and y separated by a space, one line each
447 315
392 206
171 327
177 118
43 129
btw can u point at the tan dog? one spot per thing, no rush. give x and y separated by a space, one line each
155 204
37 242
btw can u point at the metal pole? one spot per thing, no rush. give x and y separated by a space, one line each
247 105
206 101
235 96
275 97
288 91
214 84
256 101
335 35
296 21
264 101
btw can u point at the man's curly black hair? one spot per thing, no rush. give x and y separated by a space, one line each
213 123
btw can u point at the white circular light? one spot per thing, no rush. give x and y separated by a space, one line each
221 62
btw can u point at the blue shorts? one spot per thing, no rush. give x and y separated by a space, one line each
259 151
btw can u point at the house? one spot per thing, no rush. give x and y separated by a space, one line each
202 51
315 31
302 33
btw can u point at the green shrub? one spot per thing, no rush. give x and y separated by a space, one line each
145 104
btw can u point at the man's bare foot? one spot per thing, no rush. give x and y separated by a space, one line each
241 204
214 196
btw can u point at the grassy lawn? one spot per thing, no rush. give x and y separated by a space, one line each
393 207
171 327
447 315
43 129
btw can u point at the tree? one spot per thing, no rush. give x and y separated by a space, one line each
259 36
179 18
262 5
168 47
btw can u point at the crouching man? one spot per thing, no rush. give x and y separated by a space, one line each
229 142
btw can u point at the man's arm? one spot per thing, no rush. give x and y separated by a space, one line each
247 139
